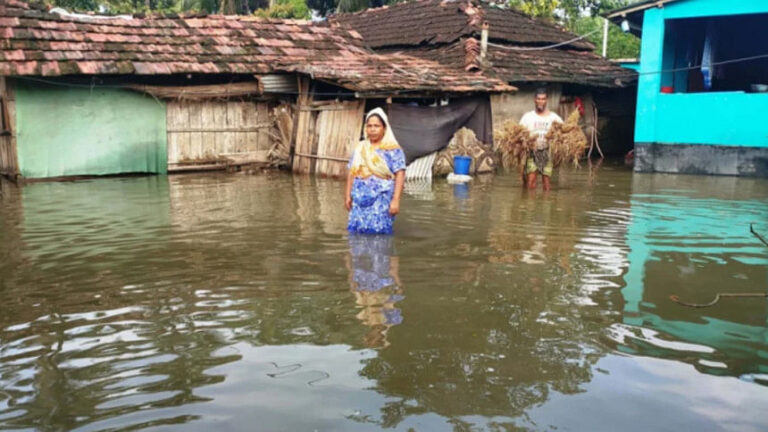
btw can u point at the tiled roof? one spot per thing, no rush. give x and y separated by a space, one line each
557 65
422 22
448 32
554 65
38 43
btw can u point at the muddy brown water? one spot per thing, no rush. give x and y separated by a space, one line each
226 302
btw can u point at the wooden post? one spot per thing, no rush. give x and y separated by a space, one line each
9 156
302 142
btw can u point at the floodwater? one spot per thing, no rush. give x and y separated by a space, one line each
227 302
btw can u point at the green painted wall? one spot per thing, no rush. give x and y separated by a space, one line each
65 131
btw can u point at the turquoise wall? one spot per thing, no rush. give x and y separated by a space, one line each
66 131
729 118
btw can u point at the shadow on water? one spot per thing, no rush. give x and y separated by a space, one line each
225 301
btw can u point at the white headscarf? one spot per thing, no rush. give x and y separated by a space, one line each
389 134
365 161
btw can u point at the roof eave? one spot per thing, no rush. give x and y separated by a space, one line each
636 7
633 13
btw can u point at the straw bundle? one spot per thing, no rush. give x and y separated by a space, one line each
465 143
281 133
567 141
513 144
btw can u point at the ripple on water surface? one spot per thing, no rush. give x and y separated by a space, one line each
222 301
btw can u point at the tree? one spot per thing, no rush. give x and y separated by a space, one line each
294 9
620 44
536 8
566 10
352 5
582 17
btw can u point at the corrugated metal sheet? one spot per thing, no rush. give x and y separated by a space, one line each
278 83
420 189
421 168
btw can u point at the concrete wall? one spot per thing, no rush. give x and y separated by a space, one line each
513 106
66 131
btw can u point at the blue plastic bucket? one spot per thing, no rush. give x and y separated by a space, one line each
461 165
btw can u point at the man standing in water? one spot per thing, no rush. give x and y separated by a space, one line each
538 123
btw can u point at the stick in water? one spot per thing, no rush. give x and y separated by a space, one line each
677 300
759 237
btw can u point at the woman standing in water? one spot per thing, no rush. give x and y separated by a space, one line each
376 177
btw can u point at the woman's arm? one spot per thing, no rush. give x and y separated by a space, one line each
394 206
348 192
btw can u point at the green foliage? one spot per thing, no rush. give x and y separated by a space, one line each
620 44
352 5
84 5
566 10
581 17
139 6
296 9
537 8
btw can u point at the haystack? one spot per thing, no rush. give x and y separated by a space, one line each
465 143
281 134
513 144
567 141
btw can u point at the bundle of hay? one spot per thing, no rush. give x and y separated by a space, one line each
567 141
465 143
281 133
513 143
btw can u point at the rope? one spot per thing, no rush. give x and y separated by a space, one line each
542 48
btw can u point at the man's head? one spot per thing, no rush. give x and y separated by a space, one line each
541 100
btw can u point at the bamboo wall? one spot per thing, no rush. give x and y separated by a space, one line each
9 159
326 134
205 134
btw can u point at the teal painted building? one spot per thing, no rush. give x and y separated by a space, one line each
699 108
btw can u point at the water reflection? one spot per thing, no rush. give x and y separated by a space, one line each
374 278
693 240
221 301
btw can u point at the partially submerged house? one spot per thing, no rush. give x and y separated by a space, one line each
521 51
703 85
91 95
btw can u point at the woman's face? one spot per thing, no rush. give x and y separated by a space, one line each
375 128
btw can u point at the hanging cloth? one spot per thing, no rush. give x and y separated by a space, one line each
708 56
